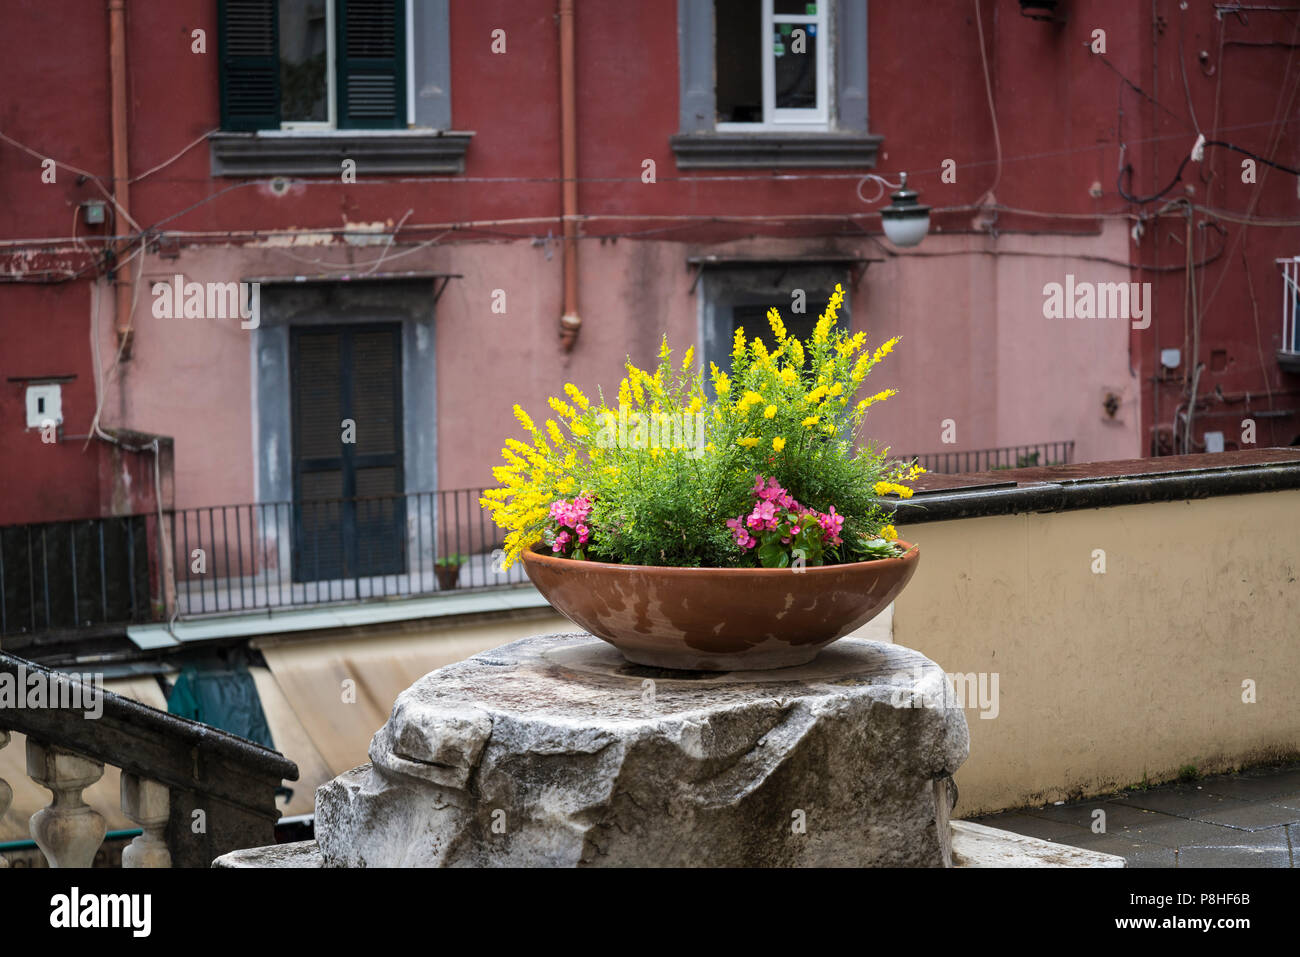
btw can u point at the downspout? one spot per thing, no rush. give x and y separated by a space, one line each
121 171
570 322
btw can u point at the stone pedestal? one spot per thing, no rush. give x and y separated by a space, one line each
555 751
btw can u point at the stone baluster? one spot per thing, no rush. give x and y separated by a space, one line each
148 803
6 792
68 831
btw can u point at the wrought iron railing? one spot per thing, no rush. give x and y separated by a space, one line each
223 558
272 554
58 576
986 460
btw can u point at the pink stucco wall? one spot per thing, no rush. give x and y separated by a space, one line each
976 348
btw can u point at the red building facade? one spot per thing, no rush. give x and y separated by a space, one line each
393 176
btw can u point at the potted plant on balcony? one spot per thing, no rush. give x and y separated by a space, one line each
447 569
732 531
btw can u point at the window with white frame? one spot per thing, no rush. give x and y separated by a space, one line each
772 65
773 83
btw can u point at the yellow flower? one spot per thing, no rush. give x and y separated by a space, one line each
796 351
822 330
690 355
778 327
788 376
811 421
816 395
886 488
769 412
749 398
738 345
574 393
889 533
836 389
553 431
634 374
878 397
696 403
579 428
624 393
748 442
664 351
721 384
778 443
524 420
884 350
562 407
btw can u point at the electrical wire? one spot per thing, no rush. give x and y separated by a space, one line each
988 89
72 169
168 162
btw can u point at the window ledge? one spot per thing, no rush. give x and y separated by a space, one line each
309 153
1289 361
768 150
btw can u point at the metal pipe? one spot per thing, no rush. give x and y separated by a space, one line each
121 161
570 322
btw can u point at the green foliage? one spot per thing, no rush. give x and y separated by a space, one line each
668 463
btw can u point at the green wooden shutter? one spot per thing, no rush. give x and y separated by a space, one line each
250 64
371 62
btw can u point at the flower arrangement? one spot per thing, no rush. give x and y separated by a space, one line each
767 471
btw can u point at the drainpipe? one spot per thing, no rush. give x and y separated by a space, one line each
121 171
570 322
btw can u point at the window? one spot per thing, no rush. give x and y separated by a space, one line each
306 83
773 83
313 64
771 65
739 293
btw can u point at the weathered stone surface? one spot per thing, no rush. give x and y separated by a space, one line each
295 854
977 845
555 751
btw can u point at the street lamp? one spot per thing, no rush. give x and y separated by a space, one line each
906 221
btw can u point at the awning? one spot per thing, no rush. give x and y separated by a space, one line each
326 726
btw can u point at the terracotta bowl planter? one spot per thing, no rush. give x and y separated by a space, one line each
719 619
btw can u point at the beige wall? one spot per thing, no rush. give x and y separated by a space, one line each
1106 678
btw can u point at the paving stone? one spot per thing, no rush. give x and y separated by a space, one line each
1135 853
1253 817
1180 800
1287 800
1179 832
1043 828
1080 813
1267 848
1249 787
1288 775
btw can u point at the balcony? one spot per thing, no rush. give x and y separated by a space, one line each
61 579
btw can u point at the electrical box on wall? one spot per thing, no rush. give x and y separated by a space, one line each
44 403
